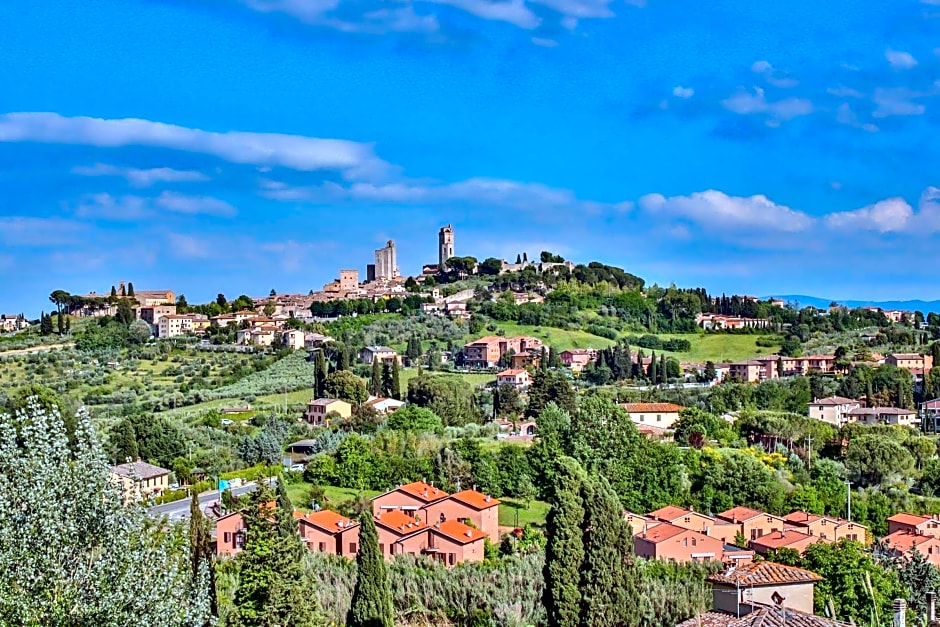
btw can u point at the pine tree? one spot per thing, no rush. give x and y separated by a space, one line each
564 549
607 545
372 596
320 374
396 381
375 386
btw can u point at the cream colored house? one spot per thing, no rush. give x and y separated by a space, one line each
174 325
833 409
662 415
319 409
140 480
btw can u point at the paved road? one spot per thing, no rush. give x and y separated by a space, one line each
179 510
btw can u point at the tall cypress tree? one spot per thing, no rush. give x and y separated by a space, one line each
396 381
564 549
200 551
320 374
375 387
543 359
663 369
386 380
286 524
651 371
372 596
607 545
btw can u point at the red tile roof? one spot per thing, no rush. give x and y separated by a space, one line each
400 523
329 521
459 532
740 514
803 518
663 532
669 513
422 491
762 616
783 539
905 541
764 574
909 519
512 372
474 499
666 408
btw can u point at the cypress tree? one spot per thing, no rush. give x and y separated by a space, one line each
60 320
607 545
320 374
564 549
113 293
372 596
386 380
543 360
518 259
200 551
651 371
342 360
554 361
396 381
375 387
130 290
663 371
286 524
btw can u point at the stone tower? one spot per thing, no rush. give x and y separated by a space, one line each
445 246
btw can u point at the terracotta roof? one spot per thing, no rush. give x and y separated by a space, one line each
908 519
459 532
739 514
488 339
764 574
400 523
329 521
663 532
139 470
878 411
669 513
783 539
474 499
906 355
905 541
762 616
803 518
511 372
834 400
422 491
667 408
325 401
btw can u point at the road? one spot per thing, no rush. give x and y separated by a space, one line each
179 510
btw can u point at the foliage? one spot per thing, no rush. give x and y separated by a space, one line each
346 386
372 597
449 397
414 418
564 551
871 459
77 556
151 438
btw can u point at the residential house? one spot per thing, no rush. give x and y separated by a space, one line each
685 518
833 409
662 415
294 339
400 534
884 416
753 523
486 352
766 583
718 321
911 361
262 335
319 410
409 498
152 314
527 359
153 298
12 322
469 507
786 539
760 615
229 534
139 480
174 325
829 528
381 354
326 531
517 378
385 406
639 523
913 523
452 542
303 448
315 340
578 359
906 543
666 541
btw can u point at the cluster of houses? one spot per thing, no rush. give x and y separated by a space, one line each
840 411
10 323
684 535
413 519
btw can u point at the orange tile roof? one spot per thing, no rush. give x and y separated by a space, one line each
459 532
909 519
669 513
400 523
511 372
762 616
782 539
740 514
663 532
905 541
803 518
329 521
422 491
764 574
667 408
474 499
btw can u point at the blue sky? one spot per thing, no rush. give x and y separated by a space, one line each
244 145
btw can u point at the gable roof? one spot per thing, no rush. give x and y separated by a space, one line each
399 523
905 541
762 616
422 491
666 408
741 514
664 531
326 402
476 500
834 400
379 349
669 513
763 574
783 539
139 470
909 519
512 372
328 521
458 532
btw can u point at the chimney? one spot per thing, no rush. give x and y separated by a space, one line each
931 606
900 613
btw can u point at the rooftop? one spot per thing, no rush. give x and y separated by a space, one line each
512 372
669 513
762 616
834 400
879 411
764 574
325 401
422 491
474 499
781 539
399 522
909 519
666 408
738 514
459 532
139 470
329 521
663 532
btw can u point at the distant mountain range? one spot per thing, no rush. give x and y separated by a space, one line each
822 303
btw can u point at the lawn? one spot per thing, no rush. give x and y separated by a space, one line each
299 494
474 379
534 515
560 339
719 348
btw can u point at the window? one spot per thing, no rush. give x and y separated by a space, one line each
381 548
451 558
753 534
352 547
824 522
322 547
227 537
686 519
694 542
685 542
641 417
659 417
770 520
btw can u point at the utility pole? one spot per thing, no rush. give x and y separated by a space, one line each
848 500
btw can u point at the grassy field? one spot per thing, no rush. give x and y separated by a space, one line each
720 348
534 515
299 494
561 339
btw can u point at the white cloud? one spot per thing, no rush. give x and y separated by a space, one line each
323 13
513 11
716 210
188 246
474 191
773 76
892 101
296 152
683 92
141 178
845 115
844 92
579 8
30 231
900 60
194 205
108 207
544 42
891 215
747 103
